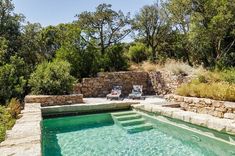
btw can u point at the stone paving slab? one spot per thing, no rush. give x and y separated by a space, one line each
24 139
205 120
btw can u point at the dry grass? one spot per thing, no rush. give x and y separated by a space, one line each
215 90
178 68
171 66
14 107
145 66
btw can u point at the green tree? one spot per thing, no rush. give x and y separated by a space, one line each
152 27
10 26
179 14
114 59
104 26
212 33
30 49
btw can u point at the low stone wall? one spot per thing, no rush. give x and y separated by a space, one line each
102 85
221 109
160 83
52 100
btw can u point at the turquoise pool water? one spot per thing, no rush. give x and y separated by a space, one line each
99 135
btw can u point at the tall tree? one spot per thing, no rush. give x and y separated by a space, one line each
152 26
31 49
179 14
10 26
212 31
104 26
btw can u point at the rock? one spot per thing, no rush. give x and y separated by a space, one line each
200 119
208 101
218 124
188 100
218 114
229 116
196 100
231 128
178 115
217 103
169 112
229 105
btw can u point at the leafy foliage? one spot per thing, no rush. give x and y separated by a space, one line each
138 53
114 59
13 77
152 26
104 26
52 78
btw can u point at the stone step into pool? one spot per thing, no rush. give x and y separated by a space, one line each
131 121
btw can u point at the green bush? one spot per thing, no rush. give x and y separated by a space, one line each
6 121
138 53
13 77
114 59
52 78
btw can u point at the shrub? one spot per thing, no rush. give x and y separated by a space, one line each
215 90
114 59
52 78
13 77
138 53
14 107
219 76
6 121
229 75
178 68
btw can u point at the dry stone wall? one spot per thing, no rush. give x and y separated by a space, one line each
52 100
166 83
101 85
160 83
221 109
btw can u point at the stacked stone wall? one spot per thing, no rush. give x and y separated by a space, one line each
101 85
160 83
52 100
221 109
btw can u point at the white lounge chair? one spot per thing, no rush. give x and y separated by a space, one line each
137 92
115 93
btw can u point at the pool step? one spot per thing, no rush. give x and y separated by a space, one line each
139 128
124 113
132 122
128 117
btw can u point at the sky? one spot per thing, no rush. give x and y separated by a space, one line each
53 12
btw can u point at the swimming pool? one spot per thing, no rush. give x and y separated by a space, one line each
127 133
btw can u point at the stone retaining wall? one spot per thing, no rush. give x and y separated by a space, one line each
164 82
102 85
221 109
160 83
52 100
